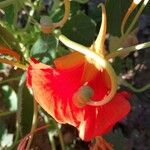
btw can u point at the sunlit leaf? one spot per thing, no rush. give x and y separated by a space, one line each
7 139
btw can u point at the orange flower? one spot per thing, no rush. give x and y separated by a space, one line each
57 90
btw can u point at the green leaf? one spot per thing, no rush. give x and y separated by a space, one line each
61 51
74 8
115 10
9 14
44 49
80 28
95 13
118 65
27 111
25 106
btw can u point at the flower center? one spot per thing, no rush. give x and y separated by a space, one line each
83 95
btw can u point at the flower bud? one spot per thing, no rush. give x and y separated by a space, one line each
46 24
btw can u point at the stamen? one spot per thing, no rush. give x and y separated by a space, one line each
99 44
82 96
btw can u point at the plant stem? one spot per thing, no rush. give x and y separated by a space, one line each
12 63
125 51
52 142
136 17
50 134
33 6
60 137
99 62
6 3
9 51
129 11
134 89
22 143
34 124
19 108
3 114
9 80
66 15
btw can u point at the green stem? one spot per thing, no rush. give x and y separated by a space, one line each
134 89
5 42
52 142
6 3
3 114
9 80
34 124
15 15
19 106
60 137
136 17
125 51
50 134
31 13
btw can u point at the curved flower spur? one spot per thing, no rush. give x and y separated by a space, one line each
82 88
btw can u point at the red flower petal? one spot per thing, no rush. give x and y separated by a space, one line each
100 120
53 89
